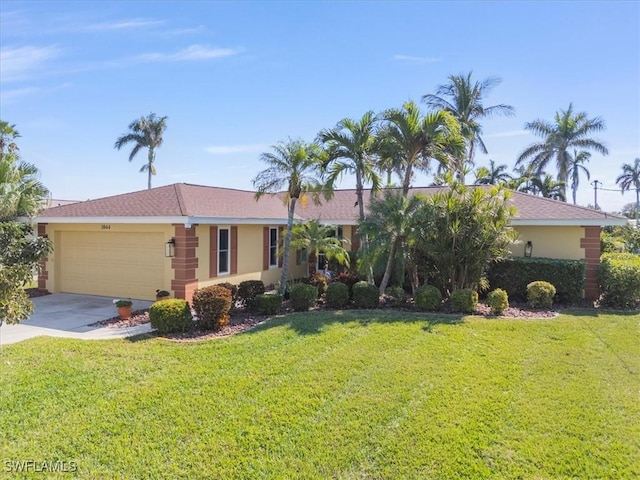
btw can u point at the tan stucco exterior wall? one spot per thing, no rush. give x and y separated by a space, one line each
54 232
550 242
250 261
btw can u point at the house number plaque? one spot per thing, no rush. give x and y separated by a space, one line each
105 227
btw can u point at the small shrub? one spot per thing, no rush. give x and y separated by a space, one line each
395 295
464 300
320 281
428 298
232 288
268 304
619 280
540 294
170 315
337 295
498 301
349 279
365 295
212 305
303 297
247 292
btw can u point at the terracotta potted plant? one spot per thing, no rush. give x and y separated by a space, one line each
124 308
162 295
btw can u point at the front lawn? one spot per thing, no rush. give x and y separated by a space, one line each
335 395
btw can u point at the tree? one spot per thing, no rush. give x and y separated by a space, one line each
547 187
351 147
568 131
145 132
628 210
575 167
630 177
392 226
296 166
492 175
317 238
464 99
8 134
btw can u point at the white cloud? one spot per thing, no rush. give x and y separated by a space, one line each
413 59
19 62
120 25
194 52
510 133
232 149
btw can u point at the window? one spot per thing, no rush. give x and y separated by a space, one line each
273 247
223 250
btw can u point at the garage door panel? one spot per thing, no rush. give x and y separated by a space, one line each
112 263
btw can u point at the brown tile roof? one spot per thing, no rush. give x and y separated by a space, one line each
187 200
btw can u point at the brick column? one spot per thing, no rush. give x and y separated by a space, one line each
43 273
591 245
185 262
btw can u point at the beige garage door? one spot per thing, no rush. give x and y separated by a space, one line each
111 263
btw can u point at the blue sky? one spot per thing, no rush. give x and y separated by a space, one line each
237 77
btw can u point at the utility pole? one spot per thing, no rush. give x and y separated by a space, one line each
595 193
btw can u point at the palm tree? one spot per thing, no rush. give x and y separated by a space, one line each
492 175
568 131
317 238
8 134
294 165
631 177
351 148
21 193
575 166
547 187
410 140
145 132
463 98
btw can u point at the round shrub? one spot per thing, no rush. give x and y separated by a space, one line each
171 315
540 294
320 281
428 298
303 297
247 292
395 295
348 279
498 301
464 300
232 288
268 304
365 295
337 295
212 305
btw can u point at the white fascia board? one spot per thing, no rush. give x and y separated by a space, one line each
164 220
605 222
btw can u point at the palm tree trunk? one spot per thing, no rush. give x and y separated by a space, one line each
387 271
287 246
149 165
637 205
364 239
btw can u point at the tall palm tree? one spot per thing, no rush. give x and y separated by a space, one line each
316 238
568 131
547 187
351 147
145 132
8 134
493 174
575 167
630 177
411 140
296 166
21 193
464 98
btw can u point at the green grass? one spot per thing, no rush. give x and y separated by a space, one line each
328 395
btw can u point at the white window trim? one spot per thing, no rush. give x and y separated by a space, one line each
228 229
273 266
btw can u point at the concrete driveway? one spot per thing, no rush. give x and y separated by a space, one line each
69 315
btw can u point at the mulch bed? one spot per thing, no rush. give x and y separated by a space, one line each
36 292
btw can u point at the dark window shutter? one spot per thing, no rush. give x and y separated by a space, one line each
213 252
234 250
265 248
280 246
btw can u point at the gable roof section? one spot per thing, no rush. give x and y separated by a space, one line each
192 204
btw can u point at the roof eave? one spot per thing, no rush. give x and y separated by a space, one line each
577 222
186 220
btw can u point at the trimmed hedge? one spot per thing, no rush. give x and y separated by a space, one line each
171 315
268 304
428 298
498 301
303 297
248 291
212 305
365 295
395 295
619 280
337 295
515 274
463 300
540 294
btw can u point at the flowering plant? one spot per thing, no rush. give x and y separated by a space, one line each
122 302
